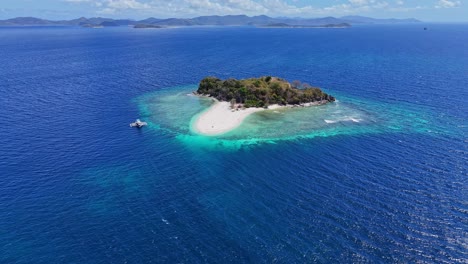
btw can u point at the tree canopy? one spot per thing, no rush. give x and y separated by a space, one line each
261 92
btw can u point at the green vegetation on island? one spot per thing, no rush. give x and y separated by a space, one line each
261 92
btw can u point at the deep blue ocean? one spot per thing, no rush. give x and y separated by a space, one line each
77 185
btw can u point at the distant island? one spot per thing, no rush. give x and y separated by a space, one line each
146 26
237 99
230 20
284 25
101 25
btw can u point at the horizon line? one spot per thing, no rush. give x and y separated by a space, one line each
275 17
175 17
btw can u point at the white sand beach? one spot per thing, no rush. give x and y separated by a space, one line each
220 118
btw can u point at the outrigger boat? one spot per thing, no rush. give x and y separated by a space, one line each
138 123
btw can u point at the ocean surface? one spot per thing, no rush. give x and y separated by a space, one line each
378 177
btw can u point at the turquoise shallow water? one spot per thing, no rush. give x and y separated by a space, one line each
173 110
78 185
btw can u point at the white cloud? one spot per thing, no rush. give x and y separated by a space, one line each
77 1
447 4
224 6
406 9
117 6
126 4
359 2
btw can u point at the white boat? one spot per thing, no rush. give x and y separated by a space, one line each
138 123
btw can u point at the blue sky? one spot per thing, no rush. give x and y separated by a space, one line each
427 10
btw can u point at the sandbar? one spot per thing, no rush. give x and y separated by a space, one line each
220 118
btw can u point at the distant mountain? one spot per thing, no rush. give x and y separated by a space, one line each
97 21
150 20
26 21
231 20
125 22
109 24
242 20
314 21
176 22
220 20
369 20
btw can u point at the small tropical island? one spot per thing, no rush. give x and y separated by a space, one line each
237 99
